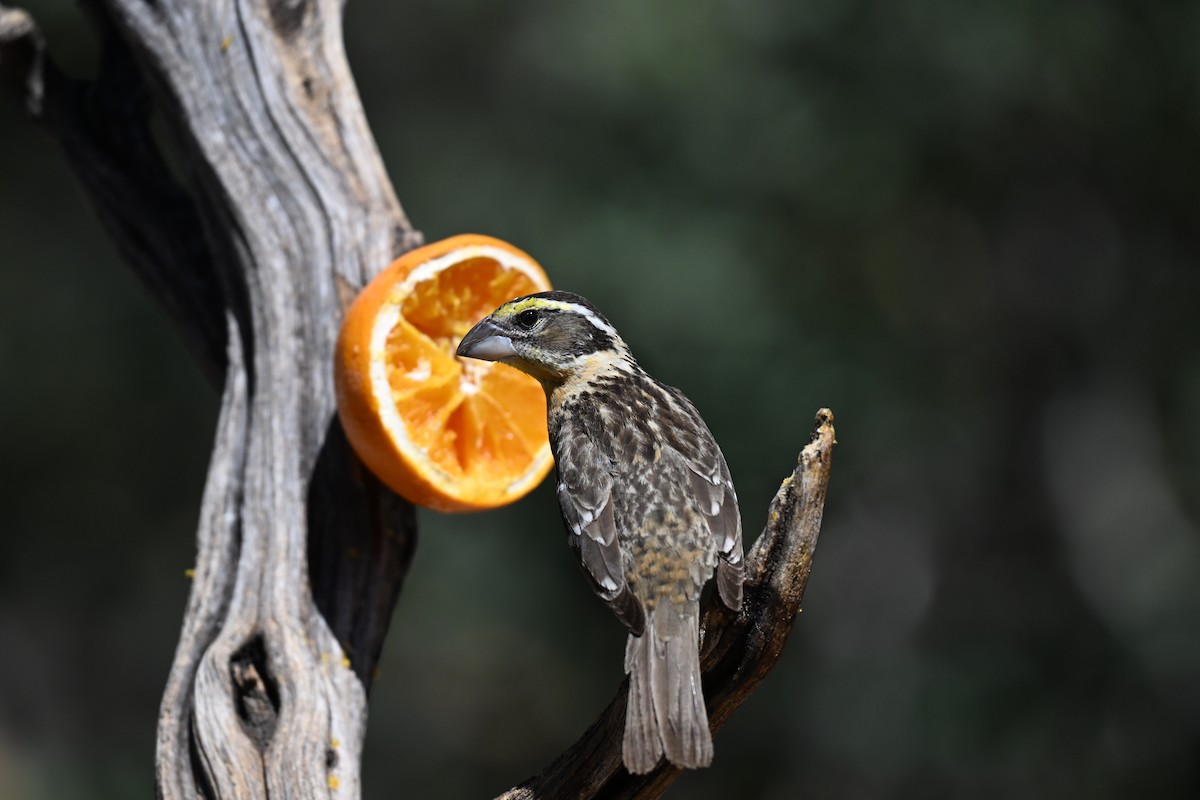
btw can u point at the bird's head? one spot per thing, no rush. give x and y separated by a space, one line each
552 336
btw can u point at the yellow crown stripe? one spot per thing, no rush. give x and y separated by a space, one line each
513 308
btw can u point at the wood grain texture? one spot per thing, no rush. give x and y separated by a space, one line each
273 209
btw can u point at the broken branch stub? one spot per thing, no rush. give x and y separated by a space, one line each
737 649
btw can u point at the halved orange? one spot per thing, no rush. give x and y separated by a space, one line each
449 433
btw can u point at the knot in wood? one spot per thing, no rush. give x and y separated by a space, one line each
255 693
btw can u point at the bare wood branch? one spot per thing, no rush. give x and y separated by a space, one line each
281 212
737 649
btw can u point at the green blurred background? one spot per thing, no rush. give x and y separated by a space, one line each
969 228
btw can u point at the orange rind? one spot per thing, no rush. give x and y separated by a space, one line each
444 432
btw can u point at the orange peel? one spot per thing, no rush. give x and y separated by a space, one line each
444 432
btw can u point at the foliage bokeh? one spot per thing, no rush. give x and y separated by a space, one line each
970 229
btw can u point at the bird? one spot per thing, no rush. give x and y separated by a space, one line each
647 501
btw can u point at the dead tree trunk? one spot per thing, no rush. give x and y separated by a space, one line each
282 211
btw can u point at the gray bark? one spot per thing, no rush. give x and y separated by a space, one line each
280 212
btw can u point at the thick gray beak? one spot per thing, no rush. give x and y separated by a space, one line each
486 342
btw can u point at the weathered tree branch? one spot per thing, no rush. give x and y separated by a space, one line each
278 211
737 649
282 210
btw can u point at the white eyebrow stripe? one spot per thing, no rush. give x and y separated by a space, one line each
587 314
583 311
599 323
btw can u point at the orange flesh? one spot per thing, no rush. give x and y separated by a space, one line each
472 418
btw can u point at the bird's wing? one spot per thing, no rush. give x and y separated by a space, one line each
585 497
712 487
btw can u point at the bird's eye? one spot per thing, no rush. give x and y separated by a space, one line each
527 319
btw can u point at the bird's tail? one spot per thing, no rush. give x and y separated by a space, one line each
666 713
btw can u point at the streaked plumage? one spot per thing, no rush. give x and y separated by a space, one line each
647 501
